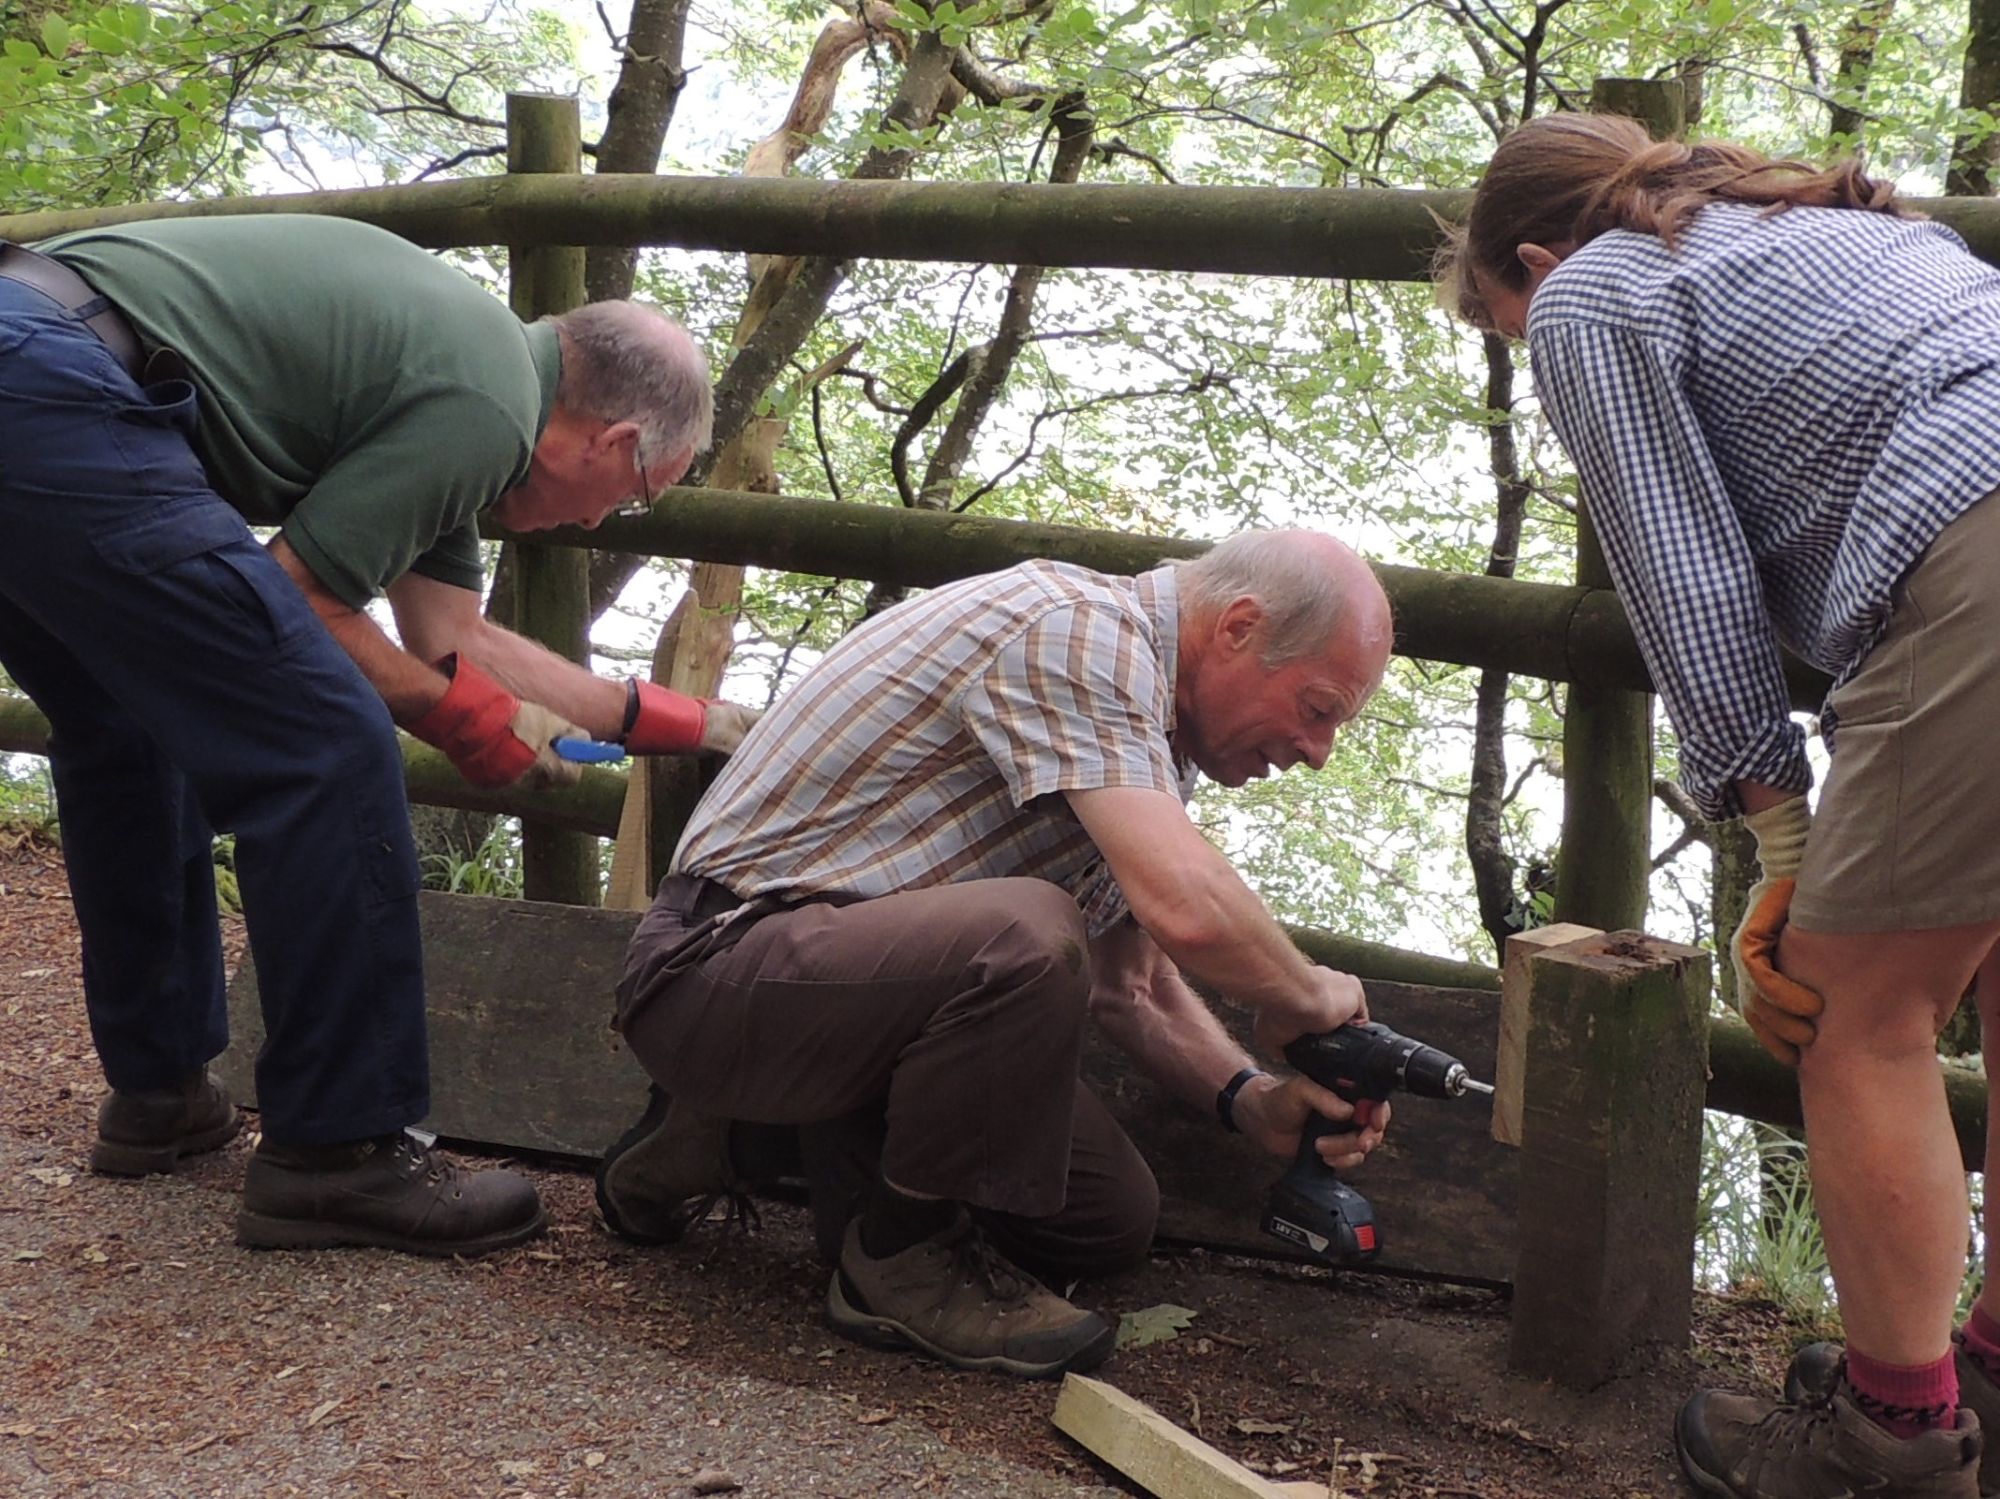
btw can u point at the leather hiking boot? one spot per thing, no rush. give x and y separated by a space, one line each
1822 1448
664 1174
1816 1370
390 1193
956 1298
141 1133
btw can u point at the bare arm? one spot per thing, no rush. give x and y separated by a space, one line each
1204 918
408 686
438 618
1757 797
1143 1005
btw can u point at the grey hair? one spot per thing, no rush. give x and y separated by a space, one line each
627 362
1304 600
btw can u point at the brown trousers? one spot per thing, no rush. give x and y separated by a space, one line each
930 1037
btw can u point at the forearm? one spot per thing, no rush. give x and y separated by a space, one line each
534 672
1167 1030
407 686
1216 929
1757 797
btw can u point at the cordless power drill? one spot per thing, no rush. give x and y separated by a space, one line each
1312 1207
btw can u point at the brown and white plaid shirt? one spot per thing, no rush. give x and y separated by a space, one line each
933 743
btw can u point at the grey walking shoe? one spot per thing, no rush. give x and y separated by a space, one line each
666 1172
1816 1370
390 1193
139 1134
1741 1447
958 1299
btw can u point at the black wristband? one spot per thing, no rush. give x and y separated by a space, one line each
1225 1101
631 709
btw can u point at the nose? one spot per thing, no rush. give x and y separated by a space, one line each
1316 747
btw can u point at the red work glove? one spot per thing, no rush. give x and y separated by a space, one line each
493 737
1780 1010
660 721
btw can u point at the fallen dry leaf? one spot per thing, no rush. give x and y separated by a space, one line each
875 1417
322 1411
714 1481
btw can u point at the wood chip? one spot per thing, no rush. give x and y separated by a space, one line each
714 1481
322 1411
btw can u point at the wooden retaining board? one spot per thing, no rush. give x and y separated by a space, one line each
522 1057
522 1051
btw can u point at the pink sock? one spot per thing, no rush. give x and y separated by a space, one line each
1905 1400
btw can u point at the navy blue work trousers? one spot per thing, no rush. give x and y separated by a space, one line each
191 689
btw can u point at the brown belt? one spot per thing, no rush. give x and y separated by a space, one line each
72 293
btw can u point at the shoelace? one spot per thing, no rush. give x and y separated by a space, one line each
739 1212
420 1157
991 1268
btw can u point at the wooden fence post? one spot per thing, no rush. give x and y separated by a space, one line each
1615 1071
551 583
1606 859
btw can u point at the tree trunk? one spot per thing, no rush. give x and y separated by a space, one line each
1974 157
1858 41
1485 843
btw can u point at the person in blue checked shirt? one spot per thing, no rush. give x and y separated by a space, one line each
1781 391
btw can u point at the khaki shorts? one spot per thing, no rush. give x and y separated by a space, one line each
1907 833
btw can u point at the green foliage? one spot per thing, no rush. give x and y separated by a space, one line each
1757 1233
494 868
110 103
228 893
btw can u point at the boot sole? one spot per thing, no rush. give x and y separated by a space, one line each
115 1158
261 1231
882 1332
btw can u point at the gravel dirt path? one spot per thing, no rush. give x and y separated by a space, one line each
143 1354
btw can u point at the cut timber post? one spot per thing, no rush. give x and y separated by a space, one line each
552 584
1510 1061
1149 1449
1610 1153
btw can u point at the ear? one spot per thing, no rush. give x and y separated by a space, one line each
1539 259
621 438
1240 624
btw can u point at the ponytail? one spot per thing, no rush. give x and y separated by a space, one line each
1565 179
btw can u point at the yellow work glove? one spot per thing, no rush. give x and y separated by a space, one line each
1780 1010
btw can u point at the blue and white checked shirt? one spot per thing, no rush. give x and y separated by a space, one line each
1771 423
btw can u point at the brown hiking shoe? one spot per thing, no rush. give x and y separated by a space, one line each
666 1172
956 1298
390 1193
141 1133
1816 1370
1823 1448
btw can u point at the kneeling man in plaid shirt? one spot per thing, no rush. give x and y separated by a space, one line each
961 838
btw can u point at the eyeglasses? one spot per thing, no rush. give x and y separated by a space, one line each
644 504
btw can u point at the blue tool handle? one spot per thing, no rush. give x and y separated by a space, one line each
587 751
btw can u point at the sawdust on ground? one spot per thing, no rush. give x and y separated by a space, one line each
143 1354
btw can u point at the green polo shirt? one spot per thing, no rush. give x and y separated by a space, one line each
355 391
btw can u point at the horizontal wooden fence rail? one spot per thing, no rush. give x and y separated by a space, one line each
1558 631
1743 1079
1380 234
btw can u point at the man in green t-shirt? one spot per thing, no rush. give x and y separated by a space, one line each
161 385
